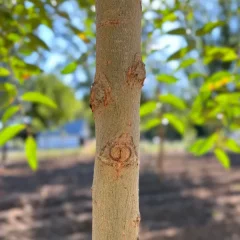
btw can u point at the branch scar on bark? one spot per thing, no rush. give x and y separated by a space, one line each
100 95
136 73
119 153
137 221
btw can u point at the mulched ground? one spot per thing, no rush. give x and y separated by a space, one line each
197 200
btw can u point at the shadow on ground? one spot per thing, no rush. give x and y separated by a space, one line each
197 200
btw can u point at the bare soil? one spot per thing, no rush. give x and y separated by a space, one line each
196 200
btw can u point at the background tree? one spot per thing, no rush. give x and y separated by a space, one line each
61 94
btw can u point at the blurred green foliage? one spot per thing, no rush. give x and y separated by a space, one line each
43 117
211 65
43 98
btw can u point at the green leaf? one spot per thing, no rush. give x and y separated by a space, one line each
147 108
170 17
8 93
32 69
180 53
197 111
74 29
9 113
38 97
186 63
214 111
4 72
173 100
3 51
225 54
38 41
17 62
9 132
222 158
19 9
235 110
234 126
202 146
9 88
217 80
88 23
24 71
165 78
13 37
196 75
151 124
82 35
71 67
63 14
175 122
83 58
219 75
233 146
190 15
228 98
177 31
25 50
31 153
207 28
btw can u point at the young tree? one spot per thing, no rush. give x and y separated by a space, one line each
115 100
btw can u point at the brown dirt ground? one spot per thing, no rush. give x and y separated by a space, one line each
197 200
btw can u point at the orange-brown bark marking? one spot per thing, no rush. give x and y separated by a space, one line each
137 221
136 74
119 153
110 23
100 95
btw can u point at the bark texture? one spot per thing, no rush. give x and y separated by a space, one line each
115 101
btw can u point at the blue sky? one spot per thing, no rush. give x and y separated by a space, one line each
56 58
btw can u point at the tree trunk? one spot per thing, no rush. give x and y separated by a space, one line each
4 155
115 101
160 160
